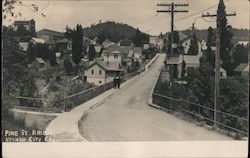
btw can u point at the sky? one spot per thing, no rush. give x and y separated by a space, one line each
137 13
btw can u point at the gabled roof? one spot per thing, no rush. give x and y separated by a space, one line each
52 32
40 60
108 66
241 67
37 40
114 49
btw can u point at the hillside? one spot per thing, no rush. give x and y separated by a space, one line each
239 34
109 30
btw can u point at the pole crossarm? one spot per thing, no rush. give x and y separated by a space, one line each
173 4
170 11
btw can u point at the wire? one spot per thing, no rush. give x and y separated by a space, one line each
199 12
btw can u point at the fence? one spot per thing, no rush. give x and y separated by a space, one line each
71 101
226 121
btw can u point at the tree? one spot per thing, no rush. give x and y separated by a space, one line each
77 44
52 57
140 38
68 66
194 48
91 52
225 41
209 56
183 69
240 55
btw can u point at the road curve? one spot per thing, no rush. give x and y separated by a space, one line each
127 117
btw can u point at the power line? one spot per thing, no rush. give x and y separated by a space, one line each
199 12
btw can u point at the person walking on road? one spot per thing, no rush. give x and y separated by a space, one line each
115 82
119 82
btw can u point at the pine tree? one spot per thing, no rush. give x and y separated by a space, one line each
77 44
193 49
225 39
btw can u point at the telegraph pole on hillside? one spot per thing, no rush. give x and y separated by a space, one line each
221 14
172 11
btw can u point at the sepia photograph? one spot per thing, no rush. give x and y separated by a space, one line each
160 73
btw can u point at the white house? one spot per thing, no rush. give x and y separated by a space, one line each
113 54
100 73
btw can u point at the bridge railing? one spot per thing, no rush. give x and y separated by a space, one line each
226 121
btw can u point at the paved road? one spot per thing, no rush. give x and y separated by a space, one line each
127 117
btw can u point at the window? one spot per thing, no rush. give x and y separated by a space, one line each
100 72
115 56
92 72
107 55
100 82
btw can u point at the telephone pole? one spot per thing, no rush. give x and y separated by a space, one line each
221 14
172 11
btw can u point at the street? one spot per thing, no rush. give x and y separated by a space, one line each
128 117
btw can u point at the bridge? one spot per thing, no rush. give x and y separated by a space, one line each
124 115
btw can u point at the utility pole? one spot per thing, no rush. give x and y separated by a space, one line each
221 14
172 10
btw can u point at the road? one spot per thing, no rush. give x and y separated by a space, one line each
127 116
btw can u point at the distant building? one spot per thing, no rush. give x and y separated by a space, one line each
156 41
38 64
106 43
100 73
51 37
244 43
242 70
29 25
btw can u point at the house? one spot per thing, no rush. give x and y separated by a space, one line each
23 45
113 54
156 41
28 25
244 43
64 46
174 62
38 64
223 73
100 73
125 43
242 70
106 43
50 36
138 53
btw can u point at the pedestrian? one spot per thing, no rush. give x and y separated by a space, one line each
119 82
115 82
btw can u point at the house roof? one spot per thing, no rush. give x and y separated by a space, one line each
241 67
191 59
64 40
108 66
126 42
51 32
137 49
38 40
114 49
40 60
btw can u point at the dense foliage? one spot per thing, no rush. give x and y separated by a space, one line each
110 30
